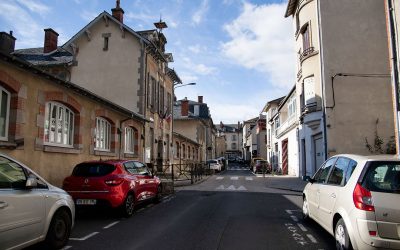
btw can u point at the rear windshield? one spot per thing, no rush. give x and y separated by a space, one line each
383 177
93 169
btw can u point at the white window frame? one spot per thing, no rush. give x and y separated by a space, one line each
7 115
102 134
65 122
292 106
130 140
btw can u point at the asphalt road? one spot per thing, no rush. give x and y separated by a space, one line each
230 210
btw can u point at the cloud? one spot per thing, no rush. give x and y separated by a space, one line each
187 77
27 31
88 15
262 39
200 13
200 69
35 7
140 16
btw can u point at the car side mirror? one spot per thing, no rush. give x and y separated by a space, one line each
31 182
308 179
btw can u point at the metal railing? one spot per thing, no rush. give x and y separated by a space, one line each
192 172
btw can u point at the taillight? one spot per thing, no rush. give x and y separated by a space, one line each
362 198
114 182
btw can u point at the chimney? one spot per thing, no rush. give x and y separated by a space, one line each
185 107
118 13
7 42
200 99
50 40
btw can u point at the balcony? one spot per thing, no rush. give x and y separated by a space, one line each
308 52
287 125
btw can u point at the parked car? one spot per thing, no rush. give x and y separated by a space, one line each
118 184
356 199
31 209
260 166
214 164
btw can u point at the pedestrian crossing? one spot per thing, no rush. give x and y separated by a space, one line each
235 178
231 188
235 168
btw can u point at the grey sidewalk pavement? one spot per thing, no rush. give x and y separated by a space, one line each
285 182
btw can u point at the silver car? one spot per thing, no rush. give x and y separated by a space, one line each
31 209
357 200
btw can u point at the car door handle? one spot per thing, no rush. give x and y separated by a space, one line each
333 195
3 204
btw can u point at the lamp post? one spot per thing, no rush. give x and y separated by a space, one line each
176 85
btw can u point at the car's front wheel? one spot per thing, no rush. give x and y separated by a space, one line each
59 230
128 206
342 236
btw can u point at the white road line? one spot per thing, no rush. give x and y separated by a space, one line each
294 218
288 211
86 237
249 178
219 178
313 240
302 227
66 247
241 188
111 224
231 187
234 178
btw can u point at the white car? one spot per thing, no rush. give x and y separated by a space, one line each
215 165
357 200
31 209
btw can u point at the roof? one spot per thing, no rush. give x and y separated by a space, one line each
276 101
291 8
186 138
282 102
66 84
37 57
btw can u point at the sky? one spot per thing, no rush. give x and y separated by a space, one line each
240 53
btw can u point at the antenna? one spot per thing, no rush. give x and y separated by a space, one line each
160 25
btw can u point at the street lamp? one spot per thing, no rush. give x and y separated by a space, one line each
177 85
182 85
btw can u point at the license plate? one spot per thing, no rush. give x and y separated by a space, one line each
85 202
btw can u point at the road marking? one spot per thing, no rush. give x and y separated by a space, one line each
234 178
111 224
313 240
302 227
294 218
85 238
249 178
220 187
241 188
219 178
289 211
66 247
231 187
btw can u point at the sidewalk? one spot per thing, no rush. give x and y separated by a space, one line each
285 182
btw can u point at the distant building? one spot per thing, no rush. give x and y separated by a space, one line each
249 136
233 139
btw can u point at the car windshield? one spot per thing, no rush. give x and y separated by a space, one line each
383 177
93 169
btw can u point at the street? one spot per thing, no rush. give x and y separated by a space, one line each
230 210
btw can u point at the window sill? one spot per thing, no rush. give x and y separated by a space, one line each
104 153
58 149
8 145
130 155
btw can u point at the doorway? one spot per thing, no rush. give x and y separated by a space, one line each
285 161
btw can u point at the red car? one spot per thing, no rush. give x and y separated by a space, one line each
115 183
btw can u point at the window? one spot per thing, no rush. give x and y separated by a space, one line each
153 93
161 101
11 174
306 38
169 103
59 124
141 168
349 171
338 172
233 146
148 90
383 177
188 152
177 149
233 137
277 122
292 107
183 151
105 43
323 171
4 113
130 135
103 134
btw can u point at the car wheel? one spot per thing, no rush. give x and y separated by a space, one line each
59 230
342 236
129 206
306 211
158 196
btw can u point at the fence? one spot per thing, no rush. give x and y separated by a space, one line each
192 172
